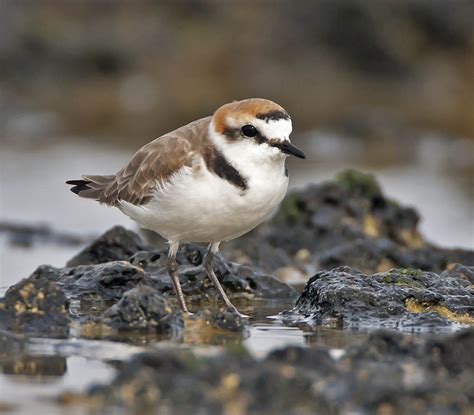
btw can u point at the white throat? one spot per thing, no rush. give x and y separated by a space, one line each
247 156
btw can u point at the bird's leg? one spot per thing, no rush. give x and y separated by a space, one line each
211 250
172 266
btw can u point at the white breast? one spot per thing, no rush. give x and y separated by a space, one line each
199 206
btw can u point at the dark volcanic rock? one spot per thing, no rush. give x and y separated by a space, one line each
377 254
388 373
11 343
110 280
35 307
145 309
398 298
46 272
238 281
114 245
204 385
107 281
224 319
406 375
102 285
460 271
348 221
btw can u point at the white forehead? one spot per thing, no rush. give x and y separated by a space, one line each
274 129
279 129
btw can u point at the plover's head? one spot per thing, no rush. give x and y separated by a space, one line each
257 126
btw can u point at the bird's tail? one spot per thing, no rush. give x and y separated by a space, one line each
91 187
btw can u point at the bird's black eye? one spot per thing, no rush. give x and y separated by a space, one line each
249 130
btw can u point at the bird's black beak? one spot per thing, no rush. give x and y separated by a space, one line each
288 148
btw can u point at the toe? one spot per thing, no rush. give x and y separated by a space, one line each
234 310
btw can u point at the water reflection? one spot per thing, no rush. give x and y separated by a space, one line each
38 379
34 368
45 368
333 338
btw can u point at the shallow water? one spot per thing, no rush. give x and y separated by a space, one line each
33 191
48 367
37 394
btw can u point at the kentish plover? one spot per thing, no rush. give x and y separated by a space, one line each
211 180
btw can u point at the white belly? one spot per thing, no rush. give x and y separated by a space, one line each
199 206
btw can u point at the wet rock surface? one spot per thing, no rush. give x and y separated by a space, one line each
388 373
35 307
114 245
110 280
144 309
401 298
460 271
224 319
347 221
237 280
102 282
131 293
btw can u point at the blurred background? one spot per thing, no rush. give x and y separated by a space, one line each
382 86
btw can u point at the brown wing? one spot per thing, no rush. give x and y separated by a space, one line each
154 162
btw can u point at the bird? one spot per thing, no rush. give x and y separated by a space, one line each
209 181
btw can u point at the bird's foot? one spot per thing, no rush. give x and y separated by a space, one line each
235 311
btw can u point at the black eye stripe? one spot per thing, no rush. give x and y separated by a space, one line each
249 130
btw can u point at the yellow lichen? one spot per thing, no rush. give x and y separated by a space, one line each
227 387
235 402
288 371
303 255
23 292
385 409
384 265
20 308
230 382
416 307
411 238
371 226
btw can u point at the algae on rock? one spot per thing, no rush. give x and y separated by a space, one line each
402 299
